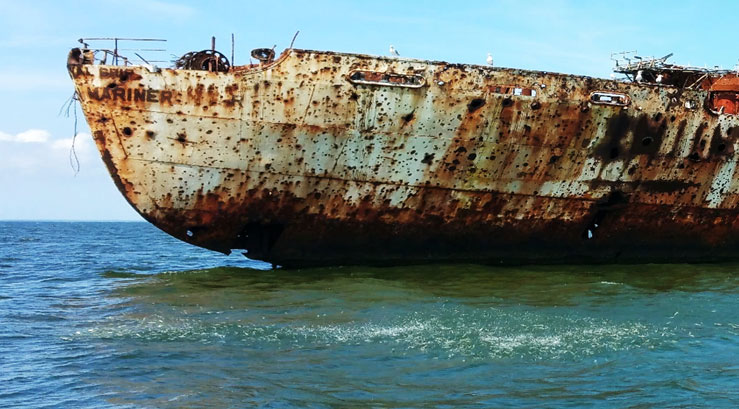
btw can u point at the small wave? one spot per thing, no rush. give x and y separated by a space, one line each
561 340
35 317
493 335
122 274
157 328
353 333
578 340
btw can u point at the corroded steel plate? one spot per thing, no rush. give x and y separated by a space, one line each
328 158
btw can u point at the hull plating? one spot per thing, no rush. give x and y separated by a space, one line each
325 158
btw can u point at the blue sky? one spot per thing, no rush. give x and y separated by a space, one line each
37 182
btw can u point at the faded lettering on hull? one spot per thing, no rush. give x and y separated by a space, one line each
130 95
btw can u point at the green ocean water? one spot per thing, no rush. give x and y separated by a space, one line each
121 315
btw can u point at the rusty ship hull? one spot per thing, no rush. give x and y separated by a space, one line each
324 158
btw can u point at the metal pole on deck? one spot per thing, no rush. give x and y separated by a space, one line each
214 65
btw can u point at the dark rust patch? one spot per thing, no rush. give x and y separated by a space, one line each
475 104
648 135
719 145
611 146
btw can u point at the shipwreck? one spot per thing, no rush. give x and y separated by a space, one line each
325 158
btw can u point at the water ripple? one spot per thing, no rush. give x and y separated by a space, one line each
121 315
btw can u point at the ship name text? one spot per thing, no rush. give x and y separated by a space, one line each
130 94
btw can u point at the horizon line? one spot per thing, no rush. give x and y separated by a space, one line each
77 220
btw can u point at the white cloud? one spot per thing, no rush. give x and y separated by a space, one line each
33 136
63 144
82 145
29 136
35 151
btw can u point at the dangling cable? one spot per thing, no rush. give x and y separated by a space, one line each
71 104
72 151
74 161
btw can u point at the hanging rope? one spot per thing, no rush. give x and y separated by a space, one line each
71 104
73 159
